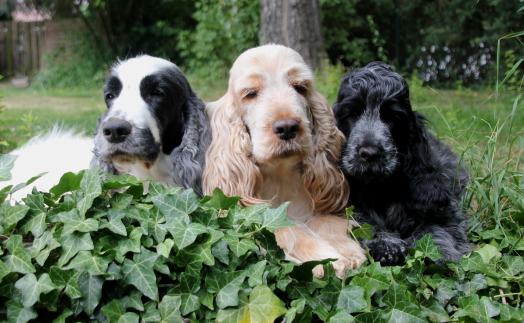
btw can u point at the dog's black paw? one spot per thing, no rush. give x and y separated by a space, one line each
388 249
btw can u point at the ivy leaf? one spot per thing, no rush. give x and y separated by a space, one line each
352 299
428 247
18 313
340 316
255 272
31 288
4 271
434 311
90 185
199 253
17 260
221 252
183 232
304 271
507 312
226 285
512 265
252 214
12 214
72 244
262 306
44 254
150 313
62 317
482 310
66 278
91 287
180 205
164 248
96 265
219 201
365 231
187 289
476 283
373 280
75 221
113 311
239 246
68 182
134 300
155 225
118 181
34 220
169 309
332 290
38 244
489 252
115 222
401 308
120 201
269 243
139 272
273 219
7 162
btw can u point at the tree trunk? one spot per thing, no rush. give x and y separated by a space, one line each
296 24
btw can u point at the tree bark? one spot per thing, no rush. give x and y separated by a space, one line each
296 24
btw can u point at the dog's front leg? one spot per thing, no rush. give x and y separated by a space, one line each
335 231
387 248
301 244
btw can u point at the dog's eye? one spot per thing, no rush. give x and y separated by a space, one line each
300 89
251 94
109 96
157 92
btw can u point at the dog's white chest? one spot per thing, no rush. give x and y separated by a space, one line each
160 171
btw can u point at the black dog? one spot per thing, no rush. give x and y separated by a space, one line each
404 182
155 125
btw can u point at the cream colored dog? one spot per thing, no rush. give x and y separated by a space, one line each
275 140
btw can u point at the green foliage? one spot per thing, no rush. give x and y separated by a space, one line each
81 69
168 256
225 29
327 82
417 91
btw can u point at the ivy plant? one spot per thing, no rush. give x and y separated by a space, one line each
81 254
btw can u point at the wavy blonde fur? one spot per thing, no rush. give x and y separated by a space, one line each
248 157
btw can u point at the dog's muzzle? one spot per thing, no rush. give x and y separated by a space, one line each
286 129
116 131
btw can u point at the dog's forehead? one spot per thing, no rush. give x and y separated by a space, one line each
269 62
133 70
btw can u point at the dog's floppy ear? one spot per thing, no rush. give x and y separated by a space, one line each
228 163
322 177
189 157
428 193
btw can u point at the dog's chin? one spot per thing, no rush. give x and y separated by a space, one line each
124 161
357 168
289 150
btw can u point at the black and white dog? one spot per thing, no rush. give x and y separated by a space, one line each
404 182
155 127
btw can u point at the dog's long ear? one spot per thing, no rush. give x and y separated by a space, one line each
322 178
429 195
228 163
189 157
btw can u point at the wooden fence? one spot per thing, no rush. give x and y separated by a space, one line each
24 44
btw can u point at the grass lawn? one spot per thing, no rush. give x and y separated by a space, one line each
485 130
29 112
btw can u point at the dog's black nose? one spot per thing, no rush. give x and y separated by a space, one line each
369 154
286 129
116 131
